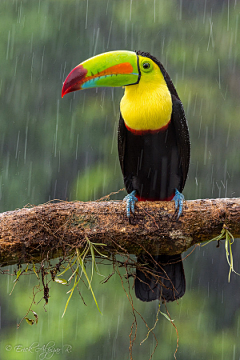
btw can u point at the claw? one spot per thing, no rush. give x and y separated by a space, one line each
131 200
178 198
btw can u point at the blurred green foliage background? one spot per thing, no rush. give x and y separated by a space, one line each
67 149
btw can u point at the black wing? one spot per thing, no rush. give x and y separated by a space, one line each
179 122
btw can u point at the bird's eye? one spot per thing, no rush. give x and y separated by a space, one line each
146 65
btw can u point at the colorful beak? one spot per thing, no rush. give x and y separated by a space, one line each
114 68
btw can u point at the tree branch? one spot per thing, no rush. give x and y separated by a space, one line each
56 229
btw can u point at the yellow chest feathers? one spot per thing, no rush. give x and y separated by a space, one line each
148 104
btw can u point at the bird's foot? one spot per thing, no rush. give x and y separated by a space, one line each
178 199
130 200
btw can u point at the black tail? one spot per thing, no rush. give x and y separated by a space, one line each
160 277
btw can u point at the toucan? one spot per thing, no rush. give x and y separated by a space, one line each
153 147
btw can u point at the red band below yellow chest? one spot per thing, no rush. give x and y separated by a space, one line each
143 132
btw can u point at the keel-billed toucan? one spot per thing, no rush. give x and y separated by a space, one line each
153 145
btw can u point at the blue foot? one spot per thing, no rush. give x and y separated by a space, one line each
131 200
178 198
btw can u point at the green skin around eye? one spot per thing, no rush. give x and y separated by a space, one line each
146 66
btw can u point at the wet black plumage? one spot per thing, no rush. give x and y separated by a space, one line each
155 164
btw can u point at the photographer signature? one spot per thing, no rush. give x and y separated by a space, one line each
46 351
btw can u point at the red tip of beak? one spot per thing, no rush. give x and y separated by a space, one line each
74 80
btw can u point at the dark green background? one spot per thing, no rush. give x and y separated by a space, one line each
67 149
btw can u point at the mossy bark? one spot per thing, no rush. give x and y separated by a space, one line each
56 229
